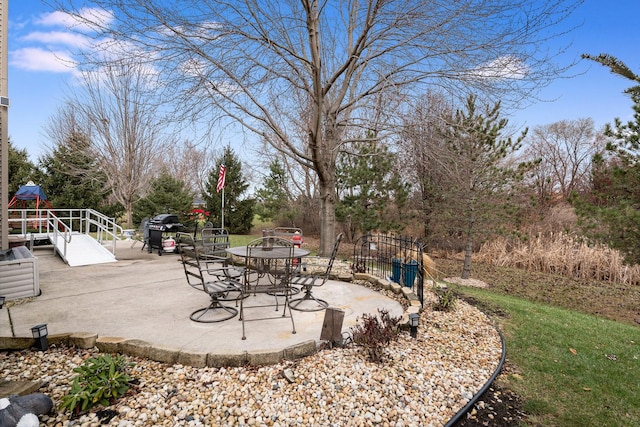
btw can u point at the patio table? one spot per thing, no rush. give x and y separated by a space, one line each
275 253
267 256
273 264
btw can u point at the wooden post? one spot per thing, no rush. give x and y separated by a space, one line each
332 325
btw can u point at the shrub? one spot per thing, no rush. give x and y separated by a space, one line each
374 333
446 300
100 380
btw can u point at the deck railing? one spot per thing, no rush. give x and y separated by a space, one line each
64 222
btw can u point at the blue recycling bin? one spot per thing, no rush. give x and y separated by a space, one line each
396 269
409 272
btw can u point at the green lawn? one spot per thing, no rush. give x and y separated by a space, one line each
240 239
573 369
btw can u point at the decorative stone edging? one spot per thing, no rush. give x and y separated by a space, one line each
144 349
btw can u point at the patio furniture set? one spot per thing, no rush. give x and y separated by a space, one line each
271 281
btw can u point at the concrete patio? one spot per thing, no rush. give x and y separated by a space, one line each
145 297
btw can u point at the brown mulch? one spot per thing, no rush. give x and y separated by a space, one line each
497 406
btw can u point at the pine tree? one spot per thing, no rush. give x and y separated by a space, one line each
479 180
167 195
370 190
611 213
21 170
238 211
72 179
272 200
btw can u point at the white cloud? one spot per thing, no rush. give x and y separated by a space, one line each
37 59
504 67
57 37
89 19
54 19
36 51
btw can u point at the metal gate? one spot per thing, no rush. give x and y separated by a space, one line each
392 257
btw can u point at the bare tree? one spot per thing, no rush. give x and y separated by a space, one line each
125 129
189 163
423 150
301 73
565 150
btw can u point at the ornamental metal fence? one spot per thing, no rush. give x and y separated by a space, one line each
393 257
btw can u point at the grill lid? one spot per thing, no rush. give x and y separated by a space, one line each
165 219
165 222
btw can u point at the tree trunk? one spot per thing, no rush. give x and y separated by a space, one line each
466 270
327 217
129 214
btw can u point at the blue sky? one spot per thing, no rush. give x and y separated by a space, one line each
39 78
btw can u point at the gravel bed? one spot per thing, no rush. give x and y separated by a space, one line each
421 382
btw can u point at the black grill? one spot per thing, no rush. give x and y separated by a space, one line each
165 227
163 223
166 222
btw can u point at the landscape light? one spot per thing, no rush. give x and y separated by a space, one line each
413 323
40 334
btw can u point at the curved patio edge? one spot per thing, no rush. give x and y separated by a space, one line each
163 354
139 348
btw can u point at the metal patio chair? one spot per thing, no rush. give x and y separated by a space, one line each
267 279
211 278
308 282
215 242
141 234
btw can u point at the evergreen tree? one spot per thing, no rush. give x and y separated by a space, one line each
611 213
370 190
72 179
479 179
167 195
238 211
21 170
272 200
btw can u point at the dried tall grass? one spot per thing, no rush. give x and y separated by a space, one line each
561 253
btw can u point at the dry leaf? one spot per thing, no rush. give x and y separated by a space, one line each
586 388
573 351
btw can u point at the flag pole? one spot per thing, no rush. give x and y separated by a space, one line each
222 207
220 186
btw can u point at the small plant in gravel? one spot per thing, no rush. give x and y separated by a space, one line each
446 299
100 381
374 333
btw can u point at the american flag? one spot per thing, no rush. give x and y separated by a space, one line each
221 176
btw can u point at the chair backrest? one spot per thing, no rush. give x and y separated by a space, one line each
270 243
334 253
144 225
191 263
215 241
269 246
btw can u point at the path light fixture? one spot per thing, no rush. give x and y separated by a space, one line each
413 323
40 334
2 301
